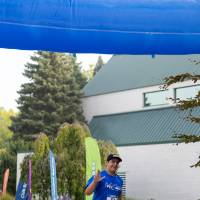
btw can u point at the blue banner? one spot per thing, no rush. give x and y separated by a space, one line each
54 195
22 193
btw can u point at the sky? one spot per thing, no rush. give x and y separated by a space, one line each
11 72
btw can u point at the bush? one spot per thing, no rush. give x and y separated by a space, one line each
8 159
69 150
7 197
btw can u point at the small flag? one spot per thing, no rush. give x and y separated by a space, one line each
5 181
29 180
22 193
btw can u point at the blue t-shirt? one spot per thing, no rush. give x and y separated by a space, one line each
109 188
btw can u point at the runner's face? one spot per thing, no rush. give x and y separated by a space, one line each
113 165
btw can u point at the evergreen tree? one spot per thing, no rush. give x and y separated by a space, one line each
98 65
51 97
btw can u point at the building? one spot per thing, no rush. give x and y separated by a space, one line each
126 103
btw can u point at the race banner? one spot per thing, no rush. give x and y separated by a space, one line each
5 181
93 159
22 191
54 195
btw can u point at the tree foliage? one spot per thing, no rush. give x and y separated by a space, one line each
189 104
69 151
5 122
51 97
89 73
98 65
7 197
9 149
106 148
40 167
8 159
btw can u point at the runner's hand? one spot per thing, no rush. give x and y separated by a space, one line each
97 177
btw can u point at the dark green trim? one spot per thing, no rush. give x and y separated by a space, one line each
148 143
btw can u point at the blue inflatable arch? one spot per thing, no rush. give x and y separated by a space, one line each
101 26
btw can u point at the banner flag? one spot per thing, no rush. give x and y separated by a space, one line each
5 181
54 194
29 180
22 191
93 159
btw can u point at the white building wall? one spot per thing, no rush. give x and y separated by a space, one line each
119 102
162 171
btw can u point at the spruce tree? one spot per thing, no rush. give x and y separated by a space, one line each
98 65
51 97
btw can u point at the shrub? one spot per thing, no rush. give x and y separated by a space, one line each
7 197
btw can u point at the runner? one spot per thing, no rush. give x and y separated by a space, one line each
106 185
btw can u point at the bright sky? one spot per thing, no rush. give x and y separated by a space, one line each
11 69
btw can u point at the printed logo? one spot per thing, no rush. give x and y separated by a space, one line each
23 194
112 198
112 186
93 168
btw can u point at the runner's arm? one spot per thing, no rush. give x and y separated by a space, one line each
90 189
97 178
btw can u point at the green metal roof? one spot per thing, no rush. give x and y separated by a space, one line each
124 72
143 127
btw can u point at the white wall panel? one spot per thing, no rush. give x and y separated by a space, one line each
161 172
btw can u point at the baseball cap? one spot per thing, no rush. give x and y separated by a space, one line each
112 156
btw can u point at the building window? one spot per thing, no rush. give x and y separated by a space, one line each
186 93
156 98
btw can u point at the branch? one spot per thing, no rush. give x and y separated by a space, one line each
187 138
188 104
197 164
180 78
194 119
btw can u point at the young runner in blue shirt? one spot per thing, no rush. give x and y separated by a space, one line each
106 185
